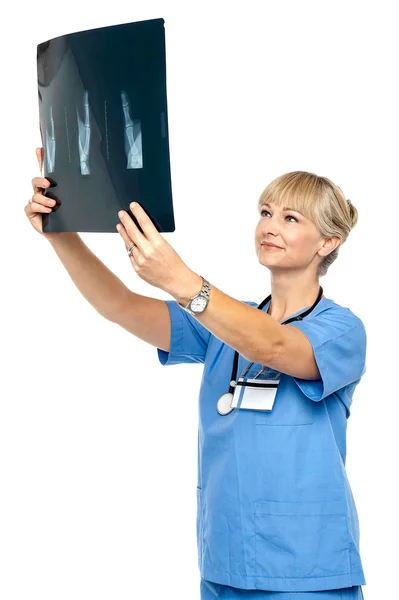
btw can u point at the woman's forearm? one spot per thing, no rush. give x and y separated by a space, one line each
102 288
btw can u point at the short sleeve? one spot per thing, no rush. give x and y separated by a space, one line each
189 339
339 341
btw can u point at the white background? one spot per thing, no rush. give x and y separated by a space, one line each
98 440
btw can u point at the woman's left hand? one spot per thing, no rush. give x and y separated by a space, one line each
154 260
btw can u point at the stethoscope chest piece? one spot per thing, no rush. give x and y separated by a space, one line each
223 405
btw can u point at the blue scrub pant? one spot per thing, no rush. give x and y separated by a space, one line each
210 591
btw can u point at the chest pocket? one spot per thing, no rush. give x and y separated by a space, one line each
290 406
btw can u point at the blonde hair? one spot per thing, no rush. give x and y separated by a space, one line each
318 199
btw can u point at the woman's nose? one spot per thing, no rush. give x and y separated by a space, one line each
271 229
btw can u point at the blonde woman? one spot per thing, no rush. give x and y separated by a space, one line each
276 516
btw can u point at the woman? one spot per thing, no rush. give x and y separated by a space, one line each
276 517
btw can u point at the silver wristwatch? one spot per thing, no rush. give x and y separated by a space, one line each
197 304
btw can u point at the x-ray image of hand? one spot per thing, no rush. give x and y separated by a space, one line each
50 144
102 105
133 142
84 136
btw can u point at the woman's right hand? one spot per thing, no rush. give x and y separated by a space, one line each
39 203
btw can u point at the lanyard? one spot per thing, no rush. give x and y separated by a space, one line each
261 305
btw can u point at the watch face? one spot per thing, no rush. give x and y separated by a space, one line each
198 304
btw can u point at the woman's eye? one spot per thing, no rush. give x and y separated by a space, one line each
287 217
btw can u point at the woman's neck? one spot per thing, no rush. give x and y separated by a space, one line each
291 294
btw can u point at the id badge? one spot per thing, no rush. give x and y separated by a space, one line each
255 394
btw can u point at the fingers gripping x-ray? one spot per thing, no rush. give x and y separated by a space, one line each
133 147
132 138
84 136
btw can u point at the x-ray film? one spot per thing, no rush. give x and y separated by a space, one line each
104 126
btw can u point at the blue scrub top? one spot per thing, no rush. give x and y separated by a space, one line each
275 507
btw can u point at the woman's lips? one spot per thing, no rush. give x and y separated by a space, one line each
271 247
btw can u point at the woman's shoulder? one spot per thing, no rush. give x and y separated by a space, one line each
337 318
329 304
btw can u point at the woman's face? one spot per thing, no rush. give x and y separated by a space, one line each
297 237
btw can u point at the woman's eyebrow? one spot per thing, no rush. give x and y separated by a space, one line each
284 207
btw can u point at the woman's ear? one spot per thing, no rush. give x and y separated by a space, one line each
329 245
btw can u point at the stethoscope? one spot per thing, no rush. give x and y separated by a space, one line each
223 405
